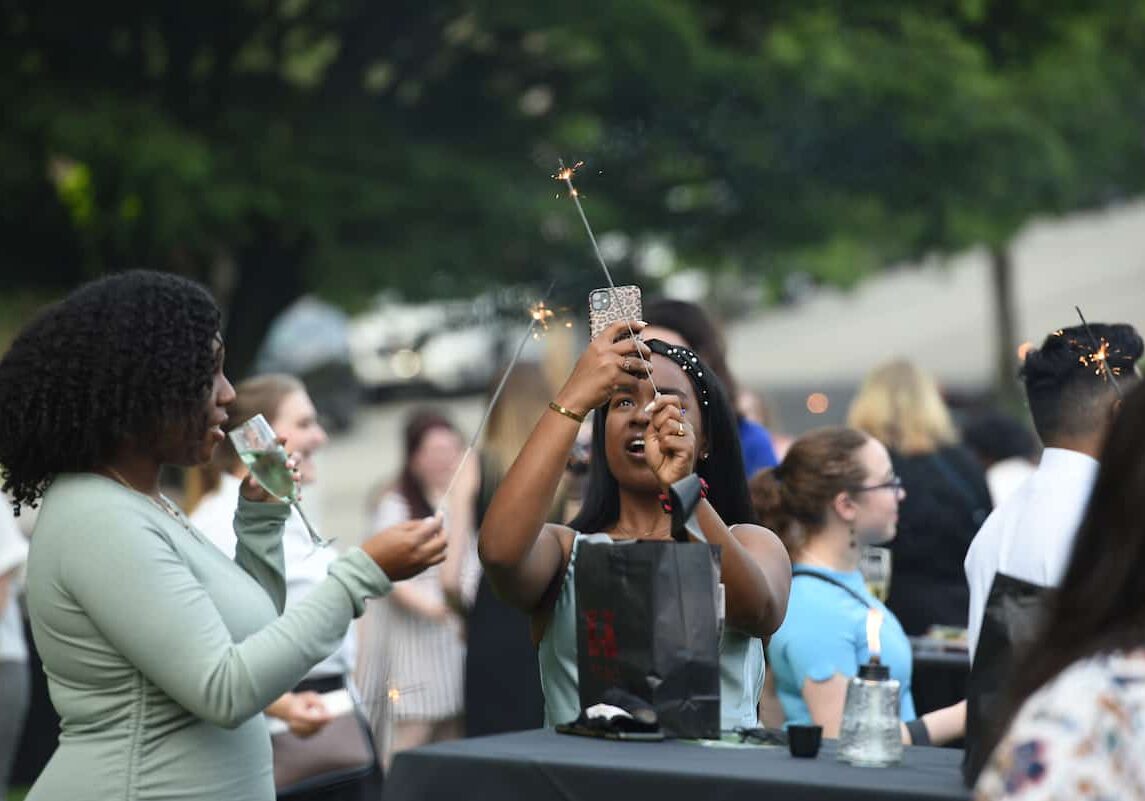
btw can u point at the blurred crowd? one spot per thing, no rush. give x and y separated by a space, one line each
902 510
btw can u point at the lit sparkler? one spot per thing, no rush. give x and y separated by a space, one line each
546 317
1098 358
539 315
566 174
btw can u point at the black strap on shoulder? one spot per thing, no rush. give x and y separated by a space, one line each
798 571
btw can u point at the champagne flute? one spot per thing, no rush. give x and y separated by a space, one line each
264 456
875 565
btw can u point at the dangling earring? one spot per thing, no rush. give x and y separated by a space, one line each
854 544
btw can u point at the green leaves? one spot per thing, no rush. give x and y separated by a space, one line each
406 140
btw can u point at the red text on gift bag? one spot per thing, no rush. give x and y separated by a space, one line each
600 631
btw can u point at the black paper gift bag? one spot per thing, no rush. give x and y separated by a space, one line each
647 624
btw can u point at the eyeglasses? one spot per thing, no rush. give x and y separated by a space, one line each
893 483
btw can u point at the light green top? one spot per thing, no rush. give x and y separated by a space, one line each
741 661
161 652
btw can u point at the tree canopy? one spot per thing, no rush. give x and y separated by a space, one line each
273 146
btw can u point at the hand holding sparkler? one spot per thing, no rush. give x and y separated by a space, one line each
406 549
610 362
669 441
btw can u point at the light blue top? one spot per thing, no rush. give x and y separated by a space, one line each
825 632
741 661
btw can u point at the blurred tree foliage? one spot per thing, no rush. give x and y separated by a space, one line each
273 146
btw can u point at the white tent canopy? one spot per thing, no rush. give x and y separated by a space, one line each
942 316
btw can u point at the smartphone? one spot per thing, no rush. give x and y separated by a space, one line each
607 306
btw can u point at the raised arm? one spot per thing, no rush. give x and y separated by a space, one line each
181 644
754 566
755 570
519 552
258 548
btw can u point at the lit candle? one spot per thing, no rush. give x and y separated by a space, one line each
874 623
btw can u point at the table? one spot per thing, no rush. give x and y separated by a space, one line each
542 764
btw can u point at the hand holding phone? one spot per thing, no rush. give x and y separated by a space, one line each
607 306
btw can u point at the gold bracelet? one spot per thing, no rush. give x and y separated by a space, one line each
569 413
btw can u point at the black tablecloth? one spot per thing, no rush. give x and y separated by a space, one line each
542 764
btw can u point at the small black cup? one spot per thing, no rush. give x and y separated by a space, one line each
804 741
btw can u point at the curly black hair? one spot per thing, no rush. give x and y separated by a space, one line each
121 357
1066 386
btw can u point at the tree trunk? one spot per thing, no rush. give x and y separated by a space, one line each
269 279
1005 326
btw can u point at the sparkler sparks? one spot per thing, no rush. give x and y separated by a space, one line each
546 317
1098 358
565 174
541 315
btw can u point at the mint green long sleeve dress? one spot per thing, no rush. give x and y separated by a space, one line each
161 653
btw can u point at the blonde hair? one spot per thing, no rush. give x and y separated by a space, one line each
263 395
523 401
899 405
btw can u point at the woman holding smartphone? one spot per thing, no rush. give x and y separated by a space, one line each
642 443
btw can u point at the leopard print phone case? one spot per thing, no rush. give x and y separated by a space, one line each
607 306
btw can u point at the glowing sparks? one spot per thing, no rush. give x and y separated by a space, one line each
545 318
1098 357
566 173
565 176
541 314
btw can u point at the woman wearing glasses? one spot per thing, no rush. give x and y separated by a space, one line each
835 492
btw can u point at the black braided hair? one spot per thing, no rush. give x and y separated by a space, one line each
121 357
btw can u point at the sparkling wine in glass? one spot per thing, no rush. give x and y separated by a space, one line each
264 456
875 565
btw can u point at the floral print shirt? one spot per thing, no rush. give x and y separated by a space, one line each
1082 736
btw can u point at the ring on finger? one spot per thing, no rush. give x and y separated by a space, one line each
682 432
626 364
